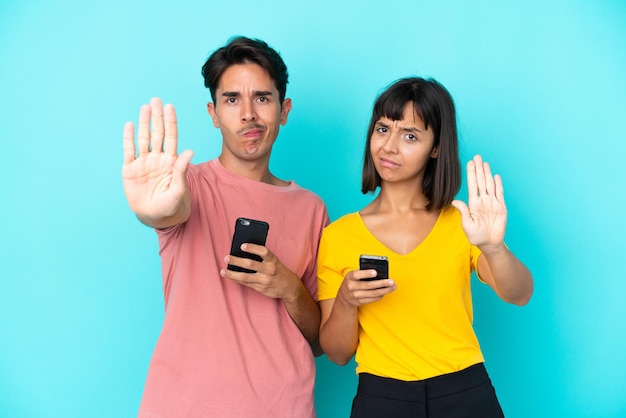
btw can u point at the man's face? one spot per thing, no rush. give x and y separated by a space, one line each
248 112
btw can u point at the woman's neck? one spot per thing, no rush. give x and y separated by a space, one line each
400 199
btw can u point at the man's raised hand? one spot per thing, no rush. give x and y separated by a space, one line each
153 173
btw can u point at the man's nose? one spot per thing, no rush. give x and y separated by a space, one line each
248 113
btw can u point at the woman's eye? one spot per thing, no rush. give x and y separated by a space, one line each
381 130
411 137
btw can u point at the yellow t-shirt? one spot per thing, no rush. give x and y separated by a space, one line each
424 328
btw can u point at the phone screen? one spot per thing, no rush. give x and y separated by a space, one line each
249 231
376 262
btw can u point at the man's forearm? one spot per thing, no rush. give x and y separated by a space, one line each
305 312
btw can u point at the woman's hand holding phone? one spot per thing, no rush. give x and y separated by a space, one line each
380 263
370 284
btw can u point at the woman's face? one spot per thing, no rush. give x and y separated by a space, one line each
401 149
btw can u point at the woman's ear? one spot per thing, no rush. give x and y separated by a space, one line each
434 153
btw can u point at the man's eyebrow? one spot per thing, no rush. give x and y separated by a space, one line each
256 93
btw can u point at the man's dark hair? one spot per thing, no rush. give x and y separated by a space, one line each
242 50
433 103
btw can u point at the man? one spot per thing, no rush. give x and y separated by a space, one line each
233 344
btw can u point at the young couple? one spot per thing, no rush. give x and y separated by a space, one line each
238 344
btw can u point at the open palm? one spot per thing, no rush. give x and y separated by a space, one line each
154 178
484 217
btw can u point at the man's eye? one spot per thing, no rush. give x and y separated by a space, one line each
411 137
381 130
231 100
262 99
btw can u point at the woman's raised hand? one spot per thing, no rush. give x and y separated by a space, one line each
484 217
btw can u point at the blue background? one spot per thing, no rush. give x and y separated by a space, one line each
540 88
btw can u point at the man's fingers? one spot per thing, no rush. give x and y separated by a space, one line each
171 130
256 249
143 131
157 131
182 162
129 142
243 262
180 168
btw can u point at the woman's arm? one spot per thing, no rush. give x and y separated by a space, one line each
339 329
507 276
484 221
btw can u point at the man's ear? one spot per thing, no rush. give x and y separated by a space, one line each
210 107
284 111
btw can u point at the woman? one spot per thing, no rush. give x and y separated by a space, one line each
416 351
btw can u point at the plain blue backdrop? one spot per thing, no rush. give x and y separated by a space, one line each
540 88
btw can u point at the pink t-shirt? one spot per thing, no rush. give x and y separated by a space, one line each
226 350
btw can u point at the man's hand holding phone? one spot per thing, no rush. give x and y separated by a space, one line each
252 264
247 231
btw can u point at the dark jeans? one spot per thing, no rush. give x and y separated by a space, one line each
464 394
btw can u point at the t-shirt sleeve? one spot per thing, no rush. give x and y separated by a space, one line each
474 254
329 274
309 279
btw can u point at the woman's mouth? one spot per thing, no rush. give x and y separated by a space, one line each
385 162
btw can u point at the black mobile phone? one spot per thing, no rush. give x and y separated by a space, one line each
376 262
247 231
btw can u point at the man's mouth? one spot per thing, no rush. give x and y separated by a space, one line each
251 131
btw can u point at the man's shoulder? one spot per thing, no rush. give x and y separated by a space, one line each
306 193
203 169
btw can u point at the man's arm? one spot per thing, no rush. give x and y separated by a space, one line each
305 312
154 178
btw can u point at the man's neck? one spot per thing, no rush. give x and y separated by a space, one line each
257 170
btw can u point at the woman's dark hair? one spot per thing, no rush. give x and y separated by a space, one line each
242 50
433 103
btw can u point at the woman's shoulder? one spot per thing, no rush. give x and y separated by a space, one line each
450 214
347 221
